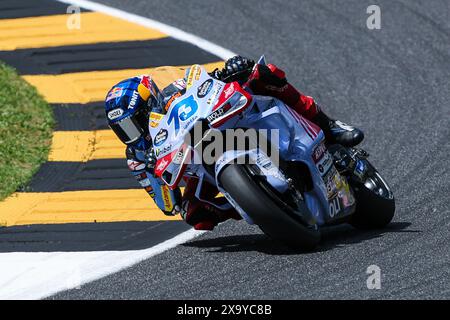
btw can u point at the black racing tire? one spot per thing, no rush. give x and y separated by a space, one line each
372 210
277 223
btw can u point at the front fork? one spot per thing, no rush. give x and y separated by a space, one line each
351 162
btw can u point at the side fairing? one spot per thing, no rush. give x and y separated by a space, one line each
301 141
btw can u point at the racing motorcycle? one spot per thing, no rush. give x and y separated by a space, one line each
291 197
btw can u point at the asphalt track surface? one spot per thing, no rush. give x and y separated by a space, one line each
394 84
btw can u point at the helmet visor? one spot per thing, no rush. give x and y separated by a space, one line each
128 129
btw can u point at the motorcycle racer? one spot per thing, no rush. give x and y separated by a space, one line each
135 103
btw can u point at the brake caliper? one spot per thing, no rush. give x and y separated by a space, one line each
351 161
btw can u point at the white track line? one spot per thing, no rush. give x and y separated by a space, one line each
150 23
36 275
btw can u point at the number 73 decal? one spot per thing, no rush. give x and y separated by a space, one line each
183 110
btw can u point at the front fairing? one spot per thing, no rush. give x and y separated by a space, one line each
169 132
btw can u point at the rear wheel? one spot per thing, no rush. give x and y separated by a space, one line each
268 210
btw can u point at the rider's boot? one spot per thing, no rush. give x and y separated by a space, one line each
336 131
204 215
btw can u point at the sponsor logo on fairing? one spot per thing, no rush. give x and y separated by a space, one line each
228 91
194 73
189 122
335 207
182 111
204 88
318 152
164 150
218 113
213 96
322 158
155 119
178 157
160 137
172 99
330 184
162 164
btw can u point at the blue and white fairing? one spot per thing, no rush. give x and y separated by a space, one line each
301 141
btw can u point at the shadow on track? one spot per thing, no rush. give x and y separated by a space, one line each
332 237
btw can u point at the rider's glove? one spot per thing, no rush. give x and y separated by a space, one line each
151 161
176 210
216 73
237 68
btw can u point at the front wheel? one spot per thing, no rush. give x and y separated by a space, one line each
375 203
267 209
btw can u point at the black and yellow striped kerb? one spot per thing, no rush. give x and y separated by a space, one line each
85 179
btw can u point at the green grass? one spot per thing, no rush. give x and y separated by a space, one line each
26 123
